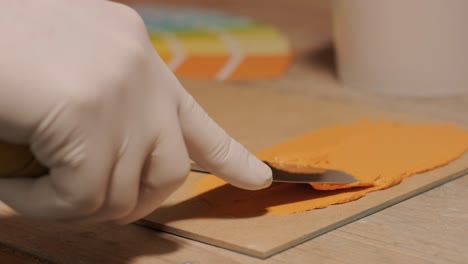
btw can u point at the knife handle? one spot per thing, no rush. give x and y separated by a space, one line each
18 161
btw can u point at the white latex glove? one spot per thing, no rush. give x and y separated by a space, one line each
81 84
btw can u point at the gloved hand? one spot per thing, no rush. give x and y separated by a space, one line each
82 85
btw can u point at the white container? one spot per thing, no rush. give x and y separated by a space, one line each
403 47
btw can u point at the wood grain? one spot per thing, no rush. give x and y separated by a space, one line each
429 228
267 118
9 255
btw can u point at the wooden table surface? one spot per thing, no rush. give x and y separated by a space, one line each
429 228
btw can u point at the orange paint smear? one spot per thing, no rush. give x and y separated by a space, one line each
378 154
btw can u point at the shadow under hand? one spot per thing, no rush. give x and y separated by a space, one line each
227 201
62 243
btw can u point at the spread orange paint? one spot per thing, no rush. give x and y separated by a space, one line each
378 154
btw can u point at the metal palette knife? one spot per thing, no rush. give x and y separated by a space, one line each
324 176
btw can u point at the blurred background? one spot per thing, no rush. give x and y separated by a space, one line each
411 48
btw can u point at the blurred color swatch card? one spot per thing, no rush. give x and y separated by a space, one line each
207 44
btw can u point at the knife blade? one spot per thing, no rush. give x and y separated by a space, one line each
325 176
